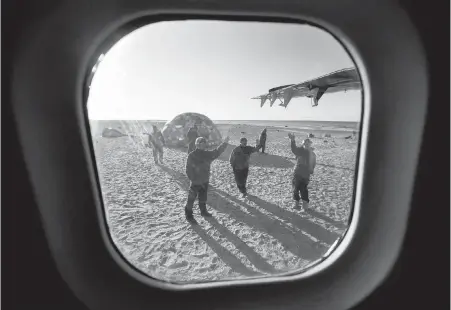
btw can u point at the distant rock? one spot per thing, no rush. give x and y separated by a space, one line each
310 135
112 133
327 135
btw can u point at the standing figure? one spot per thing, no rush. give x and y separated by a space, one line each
156 142
305 165
198 166
239 160
262 141
191 136
157 134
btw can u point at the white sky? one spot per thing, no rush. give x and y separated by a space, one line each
214 68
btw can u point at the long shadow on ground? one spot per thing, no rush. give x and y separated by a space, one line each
225 255
319 215
259 262
296 220
294 241
332 166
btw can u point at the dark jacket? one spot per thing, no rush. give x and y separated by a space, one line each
239 159
305 164
199 161
191 136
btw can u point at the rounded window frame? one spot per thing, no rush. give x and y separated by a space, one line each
26 82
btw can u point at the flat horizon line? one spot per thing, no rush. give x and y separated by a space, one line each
231 120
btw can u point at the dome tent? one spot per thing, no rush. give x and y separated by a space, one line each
175 130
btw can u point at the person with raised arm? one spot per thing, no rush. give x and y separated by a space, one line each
239 160
262 140
305 166
197 169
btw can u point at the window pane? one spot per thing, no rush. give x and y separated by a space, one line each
184 207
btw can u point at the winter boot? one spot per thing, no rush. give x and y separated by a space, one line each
189 215
203 210
296 204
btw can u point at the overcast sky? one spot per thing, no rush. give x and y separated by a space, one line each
214 68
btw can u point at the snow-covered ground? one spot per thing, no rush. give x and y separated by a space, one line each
256 236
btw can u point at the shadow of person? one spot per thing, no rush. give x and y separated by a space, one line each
304 224
179 178
336 167
259 262
260 160
293 241
325 218
225 255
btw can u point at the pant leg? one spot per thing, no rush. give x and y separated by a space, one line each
236 175
263 147
203 194
304 190
192 195
296 187
240 179
245 175
155 154
160 153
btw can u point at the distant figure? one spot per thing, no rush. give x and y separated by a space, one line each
198 171
305 165
157 135
239 160
263 140
191 136
156 142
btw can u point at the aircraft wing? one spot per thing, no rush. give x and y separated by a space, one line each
342 80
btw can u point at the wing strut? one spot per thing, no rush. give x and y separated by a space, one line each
318 96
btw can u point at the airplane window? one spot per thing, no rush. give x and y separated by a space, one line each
225 150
